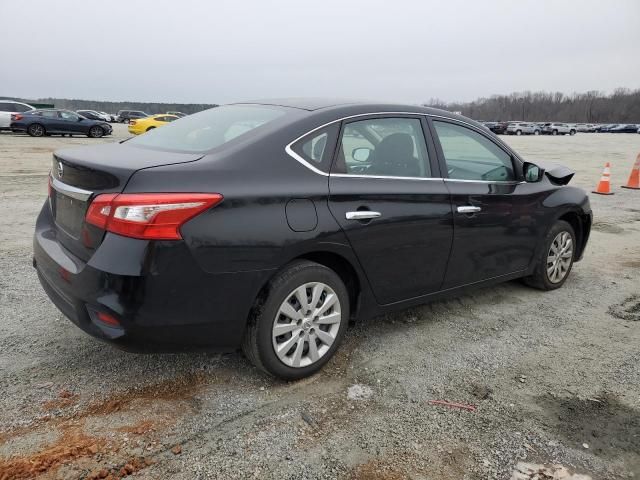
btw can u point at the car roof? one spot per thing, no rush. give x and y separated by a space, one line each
346 107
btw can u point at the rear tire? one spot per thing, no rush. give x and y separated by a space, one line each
572 132
95 132
555 260
36 130
279 310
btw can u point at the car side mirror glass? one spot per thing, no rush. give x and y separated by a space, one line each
361 154
532 172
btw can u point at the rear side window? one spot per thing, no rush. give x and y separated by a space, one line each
209 129
471 156
317 147
386 147
7 107
20 108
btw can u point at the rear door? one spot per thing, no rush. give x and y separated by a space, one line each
6 109
386 193
490 205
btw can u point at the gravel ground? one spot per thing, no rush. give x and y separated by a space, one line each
554 376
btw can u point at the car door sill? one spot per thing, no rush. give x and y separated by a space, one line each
454 291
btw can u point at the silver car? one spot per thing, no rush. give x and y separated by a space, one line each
558 129
520 128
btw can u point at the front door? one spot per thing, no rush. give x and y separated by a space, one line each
385 193
489 240
70 122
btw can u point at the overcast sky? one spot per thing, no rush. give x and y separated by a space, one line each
218 51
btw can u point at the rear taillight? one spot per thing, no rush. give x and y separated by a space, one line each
151 216
15 117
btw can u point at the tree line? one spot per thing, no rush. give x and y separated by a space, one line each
113 107
621 106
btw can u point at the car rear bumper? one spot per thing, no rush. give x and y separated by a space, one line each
160 297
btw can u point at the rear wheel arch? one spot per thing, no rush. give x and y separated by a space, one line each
345 271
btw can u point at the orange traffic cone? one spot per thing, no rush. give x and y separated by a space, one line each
634 178
604 186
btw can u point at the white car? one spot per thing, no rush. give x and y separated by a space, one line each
9 107
522 128
108 117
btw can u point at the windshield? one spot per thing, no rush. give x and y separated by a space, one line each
208 129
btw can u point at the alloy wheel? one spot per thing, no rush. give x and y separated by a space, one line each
559 257
306 325
36 130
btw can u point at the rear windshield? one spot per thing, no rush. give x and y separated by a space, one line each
206 130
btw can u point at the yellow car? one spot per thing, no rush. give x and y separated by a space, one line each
141 125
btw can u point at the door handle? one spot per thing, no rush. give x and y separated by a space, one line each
362 215
468 209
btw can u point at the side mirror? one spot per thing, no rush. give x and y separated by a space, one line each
80 119
532 172
361 154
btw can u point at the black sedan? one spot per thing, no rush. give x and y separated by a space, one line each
38 123
271 225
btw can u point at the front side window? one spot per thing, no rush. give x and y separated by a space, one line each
69 116
389 147
209 129
317 147
471 156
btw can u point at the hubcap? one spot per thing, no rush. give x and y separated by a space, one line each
37 130
306 324
559 257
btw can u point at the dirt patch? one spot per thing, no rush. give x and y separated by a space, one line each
71 445
629 309
378 470
65 399
605 425
607 227
175 389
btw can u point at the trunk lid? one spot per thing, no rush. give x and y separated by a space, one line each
79 174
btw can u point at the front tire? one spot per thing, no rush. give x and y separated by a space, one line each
555 132
518 132
95 132
296 329
554 263
36 130
572 132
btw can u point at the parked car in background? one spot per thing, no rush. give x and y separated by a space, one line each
606 127
253 225
142 125
38 123
9 107
109 117
177 114
499 128
628 128
558 129
521 128
91 115
638 129
125 115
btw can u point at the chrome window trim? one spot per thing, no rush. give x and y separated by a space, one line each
70 191
353 175
289 150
